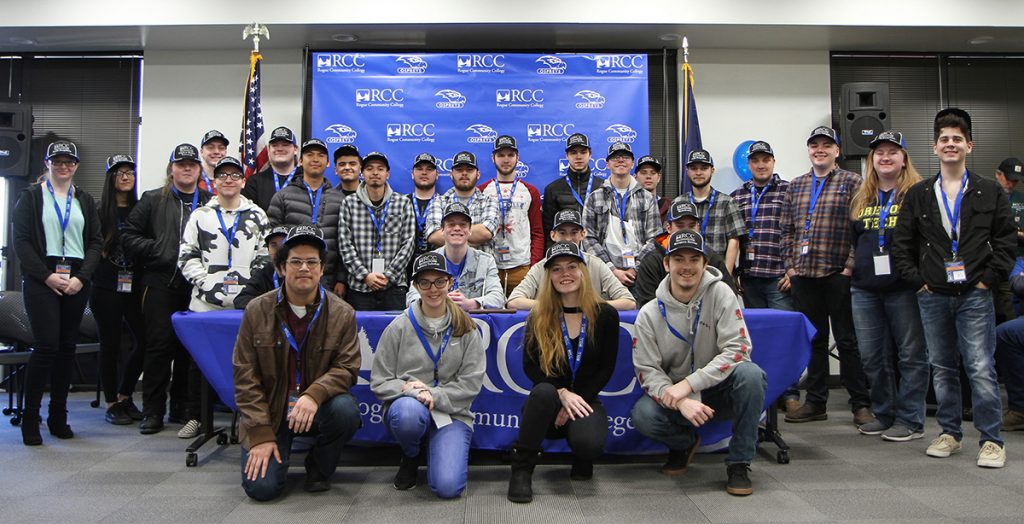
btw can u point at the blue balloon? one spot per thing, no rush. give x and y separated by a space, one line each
739 160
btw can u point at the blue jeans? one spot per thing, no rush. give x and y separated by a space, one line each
763 293
740 397
448 450
334 424
889 330
963 327
1010 356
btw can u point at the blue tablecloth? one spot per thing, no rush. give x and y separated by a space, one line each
781 346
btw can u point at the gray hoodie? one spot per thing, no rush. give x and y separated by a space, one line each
400 357
661 359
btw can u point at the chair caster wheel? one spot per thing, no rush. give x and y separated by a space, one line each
782 456
191 460
222 439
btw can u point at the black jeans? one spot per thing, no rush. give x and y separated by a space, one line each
55 320
586 436
113 311
821 300
390 299
163 349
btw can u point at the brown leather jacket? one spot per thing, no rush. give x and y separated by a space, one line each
330 359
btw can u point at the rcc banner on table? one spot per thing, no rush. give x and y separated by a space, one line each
406 104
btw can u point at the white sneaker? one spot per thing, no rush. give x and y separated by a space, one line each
943 446
190 429
992 455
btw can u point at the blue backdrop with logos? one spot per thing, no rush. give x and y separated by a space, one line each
406 104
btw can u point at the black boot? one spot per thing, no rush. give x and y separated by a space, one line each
582 469
408 470
57 422
520 485
30 430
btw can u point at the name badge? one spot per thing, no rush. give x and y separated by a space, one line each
956 273
124 281
231 285
293 397
377 266
750 253
64 271
805 246
628 259
882 265
504 253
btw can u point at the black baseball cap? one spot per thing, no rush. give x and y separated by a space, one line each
376 155
564 249
681 240
313 143
649 160
456 208
464 158
505 142
1012 169
682 209
212 135
228 161
282 133
346 150
577 140
185 153
567 216
117 160
430 261
619 148
892 137
699 156
62 147
308 233
760 147
425 157
276 230
824 131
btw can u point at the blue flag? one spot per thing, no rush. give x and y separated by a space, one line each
691 127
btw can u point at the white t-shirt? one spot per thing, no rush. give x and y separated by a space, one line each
511 242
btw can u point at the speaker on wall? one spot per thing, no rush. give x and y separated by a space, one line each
15 139
865 113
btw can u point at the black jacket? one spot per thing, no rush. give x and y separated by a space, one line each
291 207
260 187
650 272
152 235
988 237
30 237
261 281
557 196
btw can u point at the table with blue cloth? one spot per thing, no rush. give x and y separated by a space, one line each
781 343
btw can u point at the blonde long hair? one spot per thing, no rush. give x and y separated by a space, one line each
544 323
867 195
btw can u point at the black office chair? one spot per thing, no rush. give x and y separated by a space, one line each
88 344
16 335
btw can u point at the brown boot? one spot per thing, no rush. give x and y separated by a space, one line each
862 416
807 413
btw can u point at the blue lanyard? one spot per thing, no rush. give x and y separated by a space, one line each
436 357
277 280
378 224
229 233
64 219
954 216
277 179
421 218
816 190
693 329
195 196
469 202
291 338
505 205
315 202
590 184
623 203
576 358
883 216
206 180
755 205
707 212
455 270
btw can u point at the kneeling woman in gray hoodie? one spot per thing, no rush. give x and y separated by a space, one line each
428 368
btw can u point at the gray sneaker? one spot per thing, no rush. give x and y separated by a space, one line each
901 433
875 427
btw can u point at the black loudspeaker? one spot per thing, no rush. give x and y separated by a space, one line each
15 139
865 113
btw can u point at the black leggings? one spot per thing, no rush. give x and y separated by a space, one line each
164 351
586 436
55 320
113 311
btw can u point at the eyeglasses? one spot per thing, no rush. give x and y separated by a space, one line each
63 163
125 174
297 263
237 175
425 284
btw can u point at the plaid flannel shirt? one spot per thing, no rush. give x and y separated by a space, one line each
641 212
725 221
357 237
482 208
829 241
767 237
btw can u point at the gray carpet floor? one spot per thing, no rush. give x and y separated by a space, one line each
113 474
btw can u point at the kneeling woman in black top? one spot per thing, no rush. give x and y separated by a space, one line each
569 351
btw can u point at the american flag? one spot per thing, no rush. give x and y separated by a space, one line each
254 151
